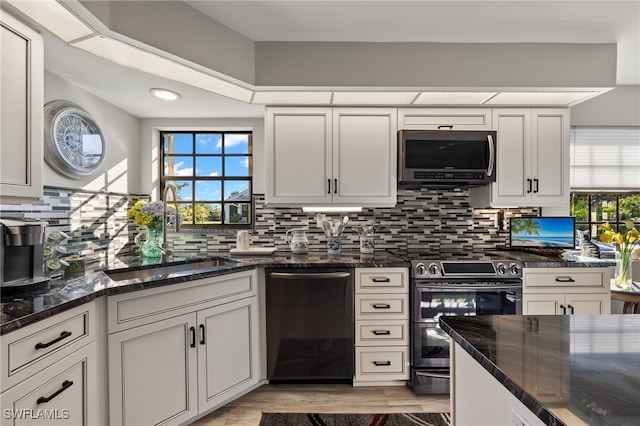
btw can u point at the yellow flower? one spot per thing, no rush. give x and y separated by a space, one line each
625 243
137 216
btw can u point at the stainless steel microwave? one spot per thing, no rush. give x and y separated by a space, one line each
446 157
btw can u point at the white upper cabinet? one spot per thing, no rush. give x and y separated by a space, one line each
438 118
532 161
331 156
21 105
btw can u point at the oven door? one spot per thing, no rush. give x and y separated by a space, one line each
431 301
430 345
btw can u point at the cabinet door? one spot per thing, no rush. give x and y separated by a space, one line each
364 156
513 185
228 352
153 373
542 304
62 394
298 153
588 303
433 118
550 157
21 104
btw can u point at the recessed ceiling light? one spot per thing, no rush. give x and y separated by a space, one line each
165 94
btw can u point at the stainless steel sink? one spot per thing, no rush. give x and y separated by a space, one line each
166 269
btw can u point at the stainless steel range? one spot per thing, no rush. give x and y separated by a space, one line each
454 284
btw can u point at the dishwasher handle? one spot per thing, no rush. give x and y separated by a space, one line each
309 275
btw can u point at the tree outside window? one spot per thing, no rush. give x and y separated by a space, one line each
212 173
592 209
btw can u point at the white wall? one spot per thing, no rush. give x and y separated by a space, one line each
150 142
618 107
120 171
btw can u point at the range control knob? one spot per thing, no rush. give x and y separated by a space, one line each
515 269
434 269
502 268
421 269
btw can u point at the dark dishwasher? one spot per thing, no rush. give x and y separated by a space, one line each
310 325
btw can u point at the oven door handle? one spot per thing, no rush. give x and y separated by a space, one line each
469 287
434 375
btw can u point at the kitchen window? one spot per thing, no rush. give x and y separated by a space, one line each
592 209
212 173
605 176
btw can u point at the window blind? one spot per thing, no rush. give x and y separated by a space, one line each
605 158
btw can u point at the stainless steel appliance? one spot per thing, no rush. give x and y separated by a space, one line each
310 333
21 257
476 286
446 157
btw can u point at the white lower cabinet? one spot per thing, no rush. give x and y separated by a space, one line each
49 371
153 373
382 327
59 395
184 364
558 291
227 351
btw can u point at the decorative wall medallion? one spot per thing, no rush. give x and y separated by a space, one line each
74 145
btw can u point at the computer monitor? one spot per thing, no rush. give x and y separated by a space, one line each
542 232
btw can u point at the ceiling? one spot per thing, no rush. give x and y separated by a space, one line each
384 20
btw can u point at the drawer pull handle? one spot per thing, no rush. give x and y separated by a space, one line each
63 336
202 334
65 385
381 280
381 332
381 306
382 363
565 280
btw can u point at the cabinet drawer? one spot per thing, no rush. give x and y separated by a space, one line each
379 364
59 395
382 280
143 307
379 333
566 277
391 306
33 348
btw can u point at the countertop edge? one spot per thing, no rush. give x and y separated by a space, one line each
244 263
523 396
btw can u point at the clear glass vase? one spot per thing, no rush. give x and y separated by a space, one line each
151 246
623 270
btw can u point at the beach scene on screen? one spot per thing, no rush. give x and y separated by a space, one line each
551 232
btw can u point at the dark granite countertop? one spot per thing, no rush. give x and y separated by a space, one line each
590 364
533 260
19 310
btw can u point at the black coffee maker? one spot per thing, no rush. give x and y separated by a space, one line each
21 255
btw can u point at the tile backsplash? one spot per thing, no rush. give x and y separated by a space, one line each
427 219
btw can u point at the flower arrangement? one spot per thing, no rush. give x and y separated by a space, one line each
625 245
148 214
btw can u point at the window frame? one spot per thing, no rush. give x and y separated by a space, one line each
593 224
164 180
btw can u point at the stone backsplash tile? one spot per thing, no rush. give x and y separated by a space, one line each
423 218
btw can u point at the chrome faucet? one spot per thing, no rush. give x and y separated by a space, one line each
165 247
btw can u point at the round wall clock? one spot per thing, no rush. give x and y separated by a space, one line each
74 145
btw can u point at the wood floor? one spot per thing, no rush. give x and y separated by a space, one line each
246 410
